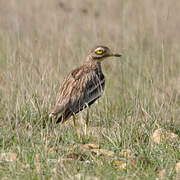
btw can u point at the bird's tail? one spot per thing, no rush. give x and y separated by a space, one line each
52 116
59 119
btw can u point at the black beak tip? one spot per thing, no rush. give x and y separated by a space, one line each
117 55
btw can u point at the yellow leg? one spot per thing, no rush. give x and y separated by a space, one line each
74 122
87 121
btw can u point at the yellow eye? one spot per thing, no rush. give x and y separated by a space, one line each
99 51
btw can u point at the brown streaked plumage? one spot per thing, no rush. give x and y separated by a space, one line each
83 86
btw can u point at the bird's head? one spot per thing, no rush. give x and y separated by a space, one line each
99 53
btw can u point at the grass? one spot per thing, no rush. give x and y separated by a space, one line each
40 42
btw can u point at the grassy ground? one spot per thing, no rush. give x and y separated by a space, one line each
41 41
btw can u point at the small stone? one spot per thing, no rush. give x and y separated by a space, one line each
102 152
8 157
161 135
161 174
54 170
177 167
89 162
91 146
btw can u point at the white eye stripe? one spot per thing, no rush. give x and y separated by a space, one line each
99 49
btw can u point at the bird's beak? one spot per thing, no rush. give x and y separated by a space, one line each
116 54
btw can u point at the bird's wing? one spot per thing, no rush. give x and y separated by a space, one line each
89 88
80 89
64 94
94 88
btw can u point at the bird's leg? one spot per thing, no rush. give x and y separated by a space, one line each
87 120
74 122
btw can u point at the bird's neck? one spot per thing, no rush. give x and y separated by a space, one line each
93 63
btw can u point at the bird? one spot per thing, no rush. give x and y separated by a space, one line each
82 86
